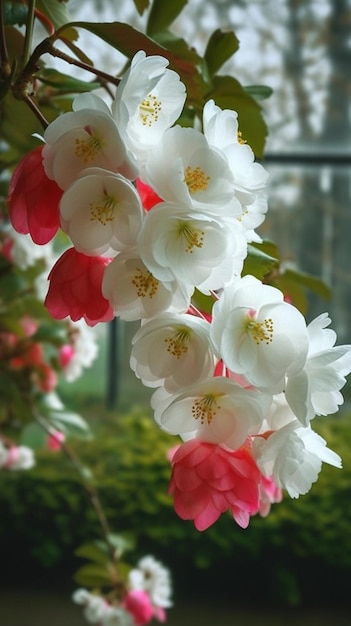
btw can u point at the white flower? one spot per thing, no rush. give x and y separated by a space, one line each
135 293
316 389
184 169
216 410
248 177
257 334
101 212
254 212
85 137
85 349
115 616
94 606
221 131
172 350
25 253
20 458
151 576
149 99
279 414
293 456
191 246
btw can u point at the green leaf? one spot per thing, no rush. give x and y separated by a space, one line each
141 5
63 82
313 283
202 302
228 93
128 41
258 263
221 46
96 552
259 92
15 13
94 575
58 14
33 436
162 14
178 45
72 424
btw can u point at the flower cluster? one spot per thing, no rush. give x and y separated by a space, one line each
156 213
147 595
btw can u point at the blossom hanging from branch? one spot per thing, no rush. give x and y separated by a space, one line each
239 382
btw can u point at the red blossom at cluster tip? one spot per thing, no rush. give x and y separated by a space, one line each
33 199
208 480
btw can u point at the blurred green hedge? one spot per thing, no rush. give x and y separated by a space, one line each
300 552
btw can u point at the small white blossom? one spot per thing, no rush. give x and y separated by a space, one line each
85 137
101 212
135 293
149 99
115 616
184 169
257 334
85 349
216 410
293 456
221 131
172 350
25 253
191 246
315 390
151 576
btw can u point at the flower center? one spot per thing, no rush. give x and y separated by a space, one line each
103 211
193 237
261 332
178 344
87 149
240 138
205 408
149 110
145 283
196 179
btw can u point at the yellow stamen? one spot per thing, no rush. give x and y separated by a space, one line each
103 212
87 149
178 344
240 138
145 283
149 110
196 179
205 408
261 332
193 238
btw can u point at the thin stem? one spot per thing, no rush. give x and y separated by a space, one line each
84 66
89 488
33 107
4 57
29 32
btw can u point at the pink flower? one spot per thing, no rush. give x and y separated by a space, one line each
33 199
65 355
55 440
75 289
138 604
269 494
209 479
